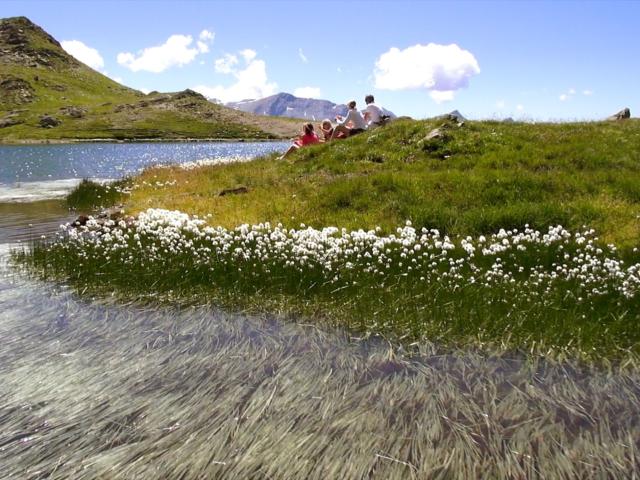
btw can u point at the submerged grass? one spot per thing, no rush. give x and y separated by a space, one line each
104 390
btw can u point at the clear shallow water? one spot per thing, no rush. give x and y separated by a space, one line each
36 172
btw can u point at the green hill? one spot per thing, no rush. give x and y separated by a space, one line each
46 94
467 180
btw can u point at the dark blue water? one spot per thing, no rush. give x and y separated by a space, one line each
36 172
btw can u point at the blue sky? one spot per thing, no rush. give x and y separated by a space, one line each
538 60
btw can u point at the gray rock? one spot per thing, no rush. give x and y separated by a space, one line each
433 134
623 114
456 116
8 122
47 121
74 112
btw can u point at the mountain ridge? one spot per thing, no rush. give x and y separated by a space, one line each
285 104
48 95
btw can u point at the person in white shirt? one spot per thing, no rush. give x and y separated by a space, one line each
373 114
352 124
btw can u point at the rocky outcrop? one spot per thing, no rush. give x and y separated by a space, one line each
10 120
15 91
73 111
17 45
623 114
47 121
188 93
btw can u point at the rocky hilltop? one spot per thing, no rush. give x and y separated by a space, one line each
287 105
46 94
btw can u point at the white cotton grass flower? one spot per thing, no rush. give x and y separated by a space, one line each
527 266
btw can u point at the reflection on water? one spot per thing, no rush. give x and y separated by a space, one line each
25 221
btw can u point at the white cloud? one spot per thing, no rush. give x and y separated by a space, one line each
563 97
250 80
248 54
442 69
500 104
226 64
440 96
206 36
175 51
146 91
520 107
205 39
307 92
302 56
587 93
87 55
572 91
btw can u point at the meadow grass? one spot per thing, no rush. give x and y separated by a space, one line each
474 180
89 195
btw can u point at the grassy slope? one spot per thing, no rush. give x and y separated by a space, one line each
479 178
66 82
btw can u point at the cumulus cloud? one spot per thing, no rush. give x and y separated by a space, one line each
251 79
87 55
206 36
307 92
204 40
520 107
441 69
248 54
500 104
587 93
176 51
226 64
302 56
563 97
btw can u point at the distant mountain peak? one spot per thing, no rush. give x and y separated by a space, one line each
284 104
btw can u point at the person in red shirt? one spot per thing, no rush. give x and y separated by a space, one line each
308 137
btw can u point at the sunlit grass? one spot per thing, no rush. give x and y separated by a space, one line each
485 176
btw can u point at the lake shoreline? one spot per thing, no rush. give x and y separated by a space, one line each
73 141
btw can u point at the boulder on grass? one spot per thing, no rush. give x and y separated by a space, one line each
623 114
47 121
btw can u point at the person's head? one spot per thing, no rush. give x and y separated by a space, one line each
369 99
351 104
326 124
307 128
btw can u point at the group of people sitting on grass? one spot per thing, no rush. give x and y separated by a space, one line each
355 122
